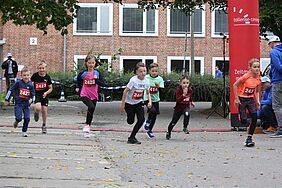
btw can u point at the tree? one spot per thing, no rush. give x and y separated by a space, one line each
40 13
271 16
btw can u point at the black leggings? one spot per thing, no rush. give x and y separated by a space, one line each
131 110
152 114
91 104
176 116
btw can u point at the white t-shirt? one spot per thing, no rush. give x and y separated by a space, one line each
137 89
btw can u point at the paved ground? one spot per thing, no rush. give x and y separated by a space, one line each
64 158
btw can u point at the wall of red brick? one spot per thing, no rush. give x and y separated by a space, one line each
50 46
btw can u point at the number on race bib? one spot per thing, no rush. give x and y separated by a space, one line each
249 91
137 95
153 90
40 86
89 82
24 93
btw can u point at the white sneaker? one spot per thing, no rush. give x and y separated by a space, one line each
24 134
86 129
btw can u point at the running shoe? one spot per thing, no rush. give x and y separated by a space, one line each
249 142
15 124
150 134
133 141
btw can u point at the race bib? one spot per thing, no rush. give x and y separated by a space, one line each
40 86
153 89
137 95
24 93
89 82
249 91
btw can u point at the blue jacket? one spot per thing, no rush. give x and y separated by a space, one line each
276 64
265 100
21 91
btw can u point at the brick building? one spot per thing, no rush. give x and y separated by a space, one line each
148 36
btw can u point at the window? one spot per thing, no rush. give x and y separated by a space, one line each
94 19
218 61
175 64
135 21
264 68
79 62
219 22
179 23
128 63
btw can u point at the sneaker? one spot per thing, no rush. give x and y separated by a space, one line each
86 134
185 130
133 141
146 125
16 124
249 142
86 129
36 116
44 129
276 135
150 134
168 135
24 134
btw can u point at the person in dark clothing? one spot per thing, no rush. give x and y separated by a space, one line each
266 112
183 103
11 70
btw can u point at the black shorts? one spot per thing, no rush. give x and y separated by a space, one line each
43 101
154 105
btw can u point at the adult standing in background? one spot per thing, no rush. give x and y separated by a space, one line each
11 70
276 81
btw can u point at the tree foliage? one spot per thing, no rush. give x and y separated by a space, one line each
40 13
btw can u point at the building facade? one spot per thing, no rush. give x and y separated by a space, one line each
148 36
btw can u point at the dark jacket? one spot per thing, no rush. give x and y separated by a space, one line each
181 104
5 66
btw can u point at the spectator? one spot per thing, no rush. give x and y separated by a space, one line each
218 73
266 112
276 81
11 69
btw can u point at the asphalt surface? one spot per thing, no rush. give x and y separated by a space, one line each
210 156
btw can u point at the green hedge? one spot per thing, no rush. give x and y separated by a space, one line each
205 88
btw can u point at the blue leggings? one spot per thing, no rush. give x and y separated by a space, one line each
20 109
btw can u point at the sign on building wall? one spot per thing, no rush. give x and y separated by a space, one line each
33 41
243 18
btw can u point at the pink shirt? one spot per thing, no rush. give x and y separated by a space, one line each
89 88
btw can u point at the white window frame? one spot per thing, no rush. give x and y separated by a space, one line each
202 59
143 58
189 34
213 35
144 22
214 59
76 57
98 5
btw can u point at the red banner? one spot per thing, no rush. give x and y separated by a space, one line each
243 20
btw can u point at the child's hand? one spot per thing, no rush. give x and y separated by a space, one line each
193 104
236 102
44 95
185 90
122 107
258 105
30 101
6 103
76 90
149 105
157 84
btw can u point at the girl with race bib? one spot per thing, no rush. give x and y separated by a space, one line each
246 92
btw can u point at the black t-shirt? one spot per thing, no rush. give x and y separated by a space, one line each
41 83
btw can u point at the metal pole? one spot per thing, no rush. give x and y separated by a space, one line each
224 84
185 50
65 53
192 70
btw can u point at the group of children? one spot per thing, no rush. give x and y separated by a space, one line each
27 90
142 90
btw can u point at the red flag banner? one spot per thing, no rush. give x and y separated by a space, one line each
243 19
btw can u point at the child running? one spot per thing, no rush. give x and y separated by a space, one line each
183 103
132 100
87 84
156 82
23 91
246 92
43 87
